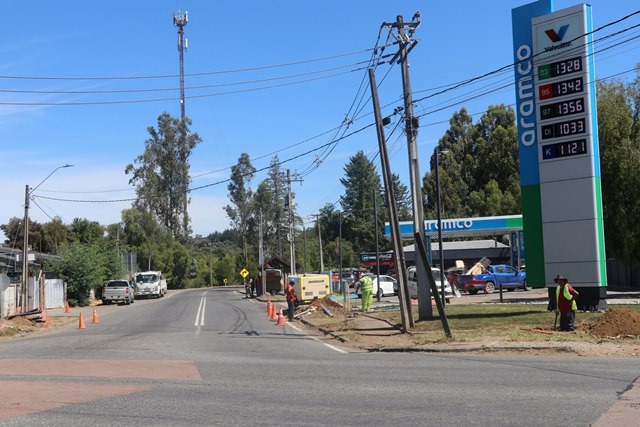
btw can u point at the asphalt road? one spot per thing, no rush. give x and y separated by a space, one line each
211 357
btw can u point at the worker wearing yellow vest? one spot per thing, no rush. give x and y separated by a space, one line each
367 292
566 303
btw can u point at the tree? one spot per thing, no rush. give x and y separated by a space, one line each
56 235
84 266
156 247
497 138
13 231
161 173
478 166
618 124
241 197
362 184
403 198
85 231
269 207
277 217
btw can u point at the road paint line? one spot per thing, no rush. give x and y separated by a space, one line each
339 350
199 322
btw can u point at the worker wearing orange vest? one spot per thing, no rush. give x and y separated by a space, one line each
566 303
292 298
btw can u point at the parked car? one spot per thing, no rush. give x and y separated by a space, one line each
493 277
412 282
387 285
151 283
118 291
452 274
347 278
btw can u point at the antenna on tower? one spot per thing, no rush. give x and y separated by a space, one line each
180 20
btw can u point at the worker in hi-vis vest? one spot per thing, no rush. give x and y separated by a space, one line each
566 303
367 292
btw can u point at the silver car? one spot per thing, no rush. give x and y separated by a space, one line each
387 285
412 282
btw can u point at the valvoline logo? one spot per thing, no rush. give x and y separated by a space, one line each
557 36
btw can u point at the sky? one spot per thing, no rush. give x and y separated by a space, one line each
81 82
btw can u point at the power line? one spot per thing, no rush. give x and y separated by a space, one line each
214 183
206 73
365 127
138 101
170 89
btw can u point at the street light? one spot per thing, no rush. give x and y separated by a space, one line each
25 243
440 249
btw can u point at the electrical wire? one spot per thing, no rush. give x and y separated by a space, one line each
449 87
163 76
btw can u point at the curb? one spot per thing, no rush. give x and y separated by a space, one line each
563 349
324 331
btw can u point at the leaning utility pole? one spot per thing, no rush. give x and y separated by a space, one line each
411 128
405 299
180 20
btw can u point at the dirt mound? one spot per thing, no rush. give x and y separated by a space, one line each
333 306
16 326
616 322
326 301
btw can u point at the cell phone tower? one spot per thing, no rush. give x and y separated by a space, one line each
180 20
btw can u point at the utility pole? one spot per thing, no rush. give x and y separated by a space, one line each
25 243
180 21
291 217
25 252
261 256
425 311
405 298
319 241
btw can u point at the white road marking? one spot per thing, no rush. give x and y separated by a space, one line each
339 350
199 322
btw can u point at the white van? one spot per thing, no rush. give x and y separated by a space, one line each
412 282
150 283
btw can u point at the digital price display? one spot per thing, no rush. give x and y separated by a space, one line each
564 149
571 127
560 68
564 108
564 87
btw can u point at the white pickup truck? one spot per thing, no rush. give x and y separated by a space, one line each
118 291
150 283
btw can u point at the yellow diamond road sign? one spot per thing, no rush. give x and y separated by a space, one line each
244 272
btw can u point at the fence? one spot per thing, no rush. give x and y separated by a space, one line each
10 294
621 275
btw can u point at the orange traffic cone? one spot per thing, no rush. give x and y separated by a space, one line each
95 317
268 308
273 315
81 322
67 309
280 321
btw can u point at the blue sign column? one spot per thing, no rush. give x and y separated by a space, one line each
528 138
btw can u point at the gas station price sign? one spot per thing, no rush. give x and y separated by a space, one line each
560 68
563 108
561 88
568 128
564 149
